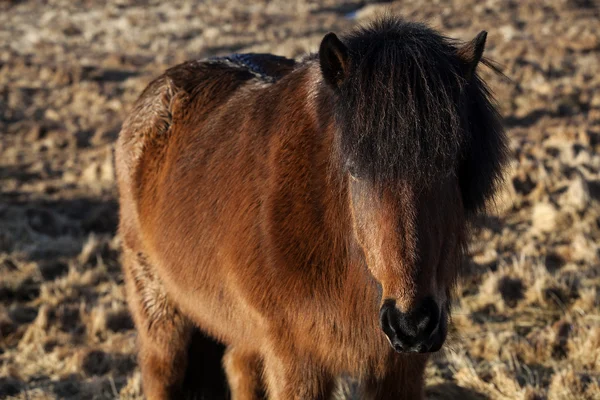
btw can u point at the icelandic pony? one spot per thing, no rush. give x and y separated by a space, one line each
310 216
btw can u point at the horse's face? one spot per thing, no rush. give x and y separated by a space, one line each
412 246
422 148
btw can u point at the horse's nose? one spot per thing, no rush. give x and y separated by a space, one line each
416 331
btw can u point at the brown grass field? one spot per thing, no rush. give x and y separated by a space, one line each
527 316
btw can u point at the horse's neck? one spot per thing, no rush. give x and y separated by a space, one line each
330 185
308 220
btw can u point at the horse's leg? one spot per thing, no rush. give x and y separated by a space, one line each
243 374
293 377
163 332
403 380
205 377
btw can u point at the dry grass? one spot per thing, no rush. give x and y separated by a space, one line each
527 315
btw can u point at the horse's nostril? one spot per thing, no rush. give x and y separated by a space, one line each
416 331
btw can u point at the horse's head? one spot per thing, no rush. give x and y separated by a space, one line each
421 148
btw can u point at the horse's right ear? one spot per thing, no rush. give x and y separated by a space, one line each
470 54
333 56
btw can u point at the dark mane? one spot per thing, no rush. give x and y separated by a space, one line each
406 110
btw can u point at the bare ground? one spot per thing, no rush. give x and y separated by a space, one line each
527 318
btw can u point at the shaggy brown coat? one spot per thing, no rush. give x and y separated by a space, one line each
278 215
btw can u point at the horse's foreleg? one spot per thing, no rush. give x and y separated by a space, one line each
163 364
294 377
163 333
243 374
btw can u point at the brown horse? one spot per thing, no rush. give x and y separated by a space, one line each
311 215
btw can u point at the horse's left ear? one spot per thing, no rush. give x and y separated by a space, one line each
470 54
333 56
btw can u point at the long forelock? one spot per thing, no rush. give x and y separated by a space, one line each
400 112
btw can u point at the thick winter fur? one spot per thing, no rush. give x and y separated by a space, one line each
239 219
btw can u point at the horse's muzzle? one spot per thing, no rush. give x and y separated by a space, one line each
422 330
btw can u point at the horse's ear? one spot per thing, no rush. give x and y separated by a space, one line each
470 54
333 56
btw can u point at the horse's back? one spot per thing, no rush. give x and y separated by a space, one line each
207 83
187 95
